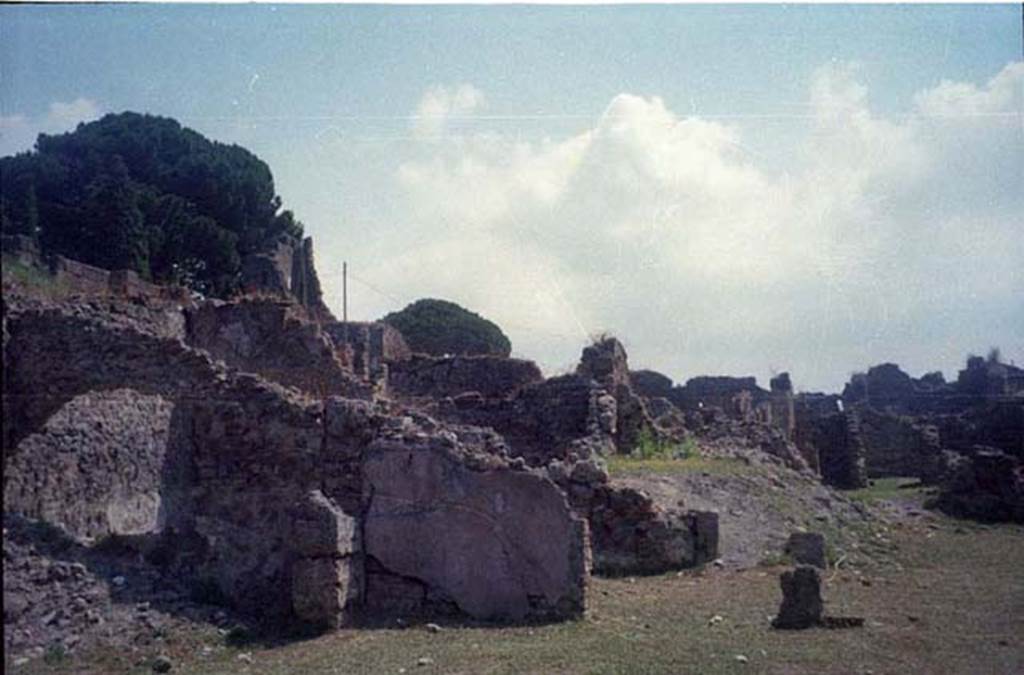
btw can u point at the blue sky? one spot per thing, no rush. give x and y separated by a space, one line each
733 189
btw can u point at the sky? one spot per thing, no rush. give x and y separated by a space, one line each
736 190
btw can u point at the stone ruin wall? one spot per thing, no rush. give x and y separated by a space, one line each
430 377
374 345
896 445
277 340
300 509
909 425
287 269
215 438
605 363
565 425
830 439
75 277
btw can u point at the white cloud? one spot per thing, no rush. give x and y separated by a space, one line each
18 132
882 239
1003 94
440 104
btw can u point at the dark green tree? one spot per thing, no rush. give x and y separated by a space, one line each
144 193
440 327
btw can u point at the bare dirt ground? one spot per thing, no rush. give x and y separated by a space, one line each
938 595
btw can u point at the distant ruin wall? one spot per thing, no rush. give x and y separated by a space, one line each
554 419
77 278
276 340
287 268
438 377
840 451
374 344
887 388
606 363
650 383
897 446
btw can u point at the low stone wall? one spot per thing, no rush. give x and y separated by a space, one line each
629 532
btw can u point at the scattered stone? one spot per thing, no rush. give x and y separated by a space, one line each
807 548
118 581
433 628
424 661
162 664
842 622
740 658
801 599
715 620
244 657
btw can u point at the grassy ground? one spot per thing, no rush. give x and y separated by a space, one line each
953 602
890 489
626 465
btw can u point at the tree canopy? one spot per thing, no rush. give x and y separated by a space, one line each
440 327
140 192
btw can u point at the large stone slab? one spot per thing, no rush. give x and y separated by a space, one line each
499 543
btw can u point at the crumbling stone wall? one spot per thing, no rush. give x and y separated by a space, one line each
840 451
560 418
277 340
782 404
566 425
605 362
99 465
77 278
983 483
808 407
886 387
726 393
632 535
374 344
286 268
629 532
115 345
291 499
